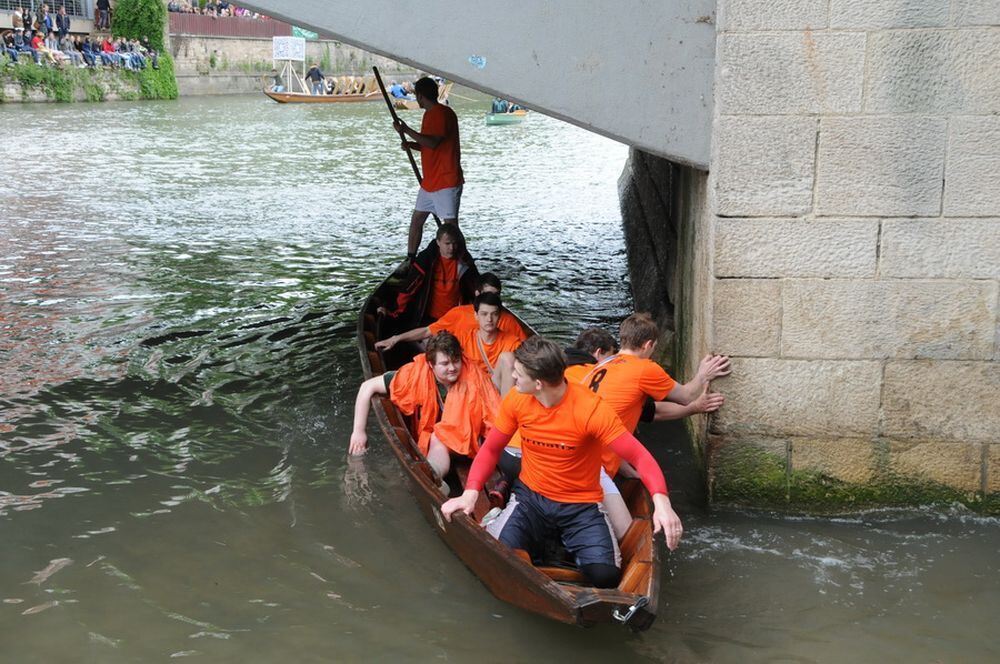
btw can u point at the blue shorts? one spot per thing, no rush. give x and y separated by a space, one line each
530 519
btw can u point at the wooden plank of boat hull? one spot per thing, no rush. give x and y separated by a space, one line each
490 561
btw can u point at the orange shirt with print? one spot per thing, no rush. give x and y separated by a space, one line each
442 166
464 315
561 446
624 382
445 291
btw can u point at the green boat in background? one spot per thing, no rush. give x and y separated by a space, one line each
514 117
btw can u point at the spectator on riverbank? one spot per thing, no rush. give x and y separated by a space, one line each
43 51
8 45
150 52
24 46
44 20
52 45
62 23
27 23
103 8
83 46
67 48
108 54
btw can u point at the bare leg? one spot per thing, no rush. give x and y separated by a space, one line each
503 375
618 514
626 470
439 457
417 220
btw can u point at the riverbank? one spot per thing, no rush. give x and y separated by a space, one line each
26 82
197 66
215 65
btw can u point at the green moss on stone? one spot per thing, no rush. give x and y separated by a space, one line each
748 475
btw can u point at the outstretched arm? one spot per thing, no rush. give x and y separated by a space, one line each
664 518
416 334
708 402
368 389
710 368
482 467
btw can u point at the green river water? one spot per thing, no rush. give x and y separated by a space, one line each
179 284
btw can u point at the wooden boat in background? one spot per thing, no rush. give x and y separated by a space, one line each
514 117
559 592
306 98
411 104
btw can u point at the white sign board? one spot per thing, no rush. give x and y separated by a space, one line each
289 48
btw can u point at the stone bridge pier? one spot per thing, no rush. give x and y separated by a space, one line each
814 185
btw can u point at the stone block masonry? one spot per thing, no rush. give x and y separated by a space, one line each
855 184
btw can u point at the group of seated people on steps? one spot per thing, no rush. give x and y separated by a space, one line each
552 426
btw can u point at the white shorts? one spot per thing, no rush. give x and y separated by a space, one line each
608 484
443 202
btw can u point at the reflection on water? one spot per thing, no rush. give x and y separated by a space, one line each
177 372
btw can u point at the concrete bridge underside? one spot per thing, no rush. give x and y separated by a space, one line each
639 72
813 191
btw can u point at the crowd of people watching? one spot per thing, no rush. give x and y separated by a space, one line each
212 8
46 39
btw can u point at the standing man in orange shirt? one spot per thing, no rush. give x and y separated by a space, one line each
564 428
440 159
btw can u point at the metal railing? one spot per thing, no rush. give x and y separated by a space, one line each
75 8
226 26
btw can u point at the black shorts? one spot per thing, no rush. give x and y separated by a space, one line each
530 519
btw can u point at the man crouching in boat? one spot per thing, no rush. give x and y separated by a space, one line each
453 403
564 428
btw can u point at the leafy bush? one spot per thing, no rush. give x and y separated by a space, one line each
135 19
157 83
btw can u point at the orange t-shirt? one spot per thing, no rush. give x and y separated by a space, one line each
623 382
469 338
562 445
442 165
464 315
445 292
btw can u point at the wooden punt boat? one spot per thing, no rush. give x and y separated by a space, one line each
559 593
306 98
515 117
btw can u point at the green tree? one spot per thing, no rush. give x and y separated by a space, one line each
135 19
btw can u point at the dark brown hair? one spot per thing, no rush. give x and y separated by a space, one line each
593 339
426 87
636 330
542 359
443 342
489 298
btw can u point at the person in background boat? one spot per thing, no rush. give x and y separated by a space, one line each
490 348
277 85
315 78
564 429
398 91
441 276
440 159
452 402
627 380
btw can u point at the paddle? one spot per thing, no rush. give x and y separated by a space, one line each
402 136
